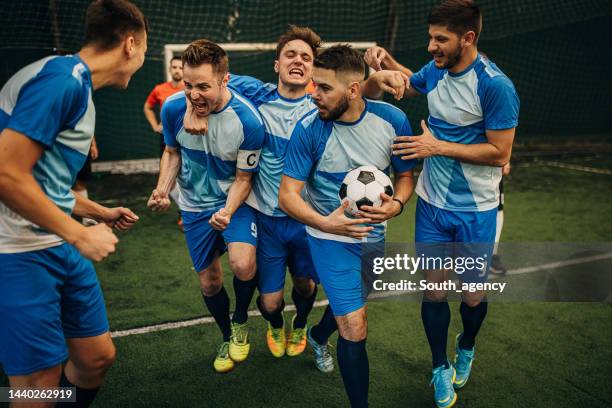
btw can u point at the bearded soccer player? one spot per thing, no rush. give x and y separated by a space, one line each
346 131
50 299
473 113
214 178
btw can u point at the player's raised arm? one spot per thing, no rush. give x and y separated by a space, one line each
380 59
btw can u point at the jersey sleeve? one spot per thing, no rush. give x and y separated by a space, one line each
48 104
418 80
300 154
169 119
153 99
399 165
500 104
250 149
245 85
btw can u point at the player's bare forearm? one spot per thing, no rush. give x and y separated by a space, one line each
169 167
403 186
239 191
292 203
150 116
482 153
84 207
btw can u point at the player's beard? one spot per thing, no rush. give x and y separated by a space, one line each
337 111
453 59
177 77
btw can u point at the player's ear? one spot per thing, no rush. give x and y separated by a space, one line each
129 46
276 66
469 38
354 90
226 78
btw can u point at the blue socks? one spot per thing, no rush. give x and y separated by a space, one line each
355 370
436 318
325 328
218 306
303 306
472 318
244 294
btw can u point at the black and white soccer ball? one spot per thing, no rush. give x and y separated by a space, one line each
363 186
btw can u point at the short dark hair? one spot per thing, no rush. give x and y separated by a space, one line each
459 16
176 58
206 52
107 22
298 33
341 58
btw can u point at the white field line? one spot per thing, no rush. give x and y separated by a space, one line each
568 166
321 303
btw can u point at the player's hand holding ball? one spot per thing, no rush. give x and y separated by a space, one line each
220 220
388 209
97 242
158 201
192 123
338 223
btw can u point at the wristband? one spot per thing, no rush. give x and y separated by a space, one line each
401 206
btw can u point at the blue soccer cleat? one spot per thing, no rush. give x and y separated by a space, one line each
442 380
323 360
463 363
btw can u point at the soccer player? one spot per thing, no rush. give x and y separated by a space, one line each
158 96
51 303
282 239
346 131
473 113
214 178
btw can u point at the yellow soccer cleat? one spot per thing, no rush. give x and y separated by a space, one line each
276 340
223 363
296 341
239 342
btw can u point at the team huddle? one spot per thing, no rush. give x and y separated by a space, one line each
258 167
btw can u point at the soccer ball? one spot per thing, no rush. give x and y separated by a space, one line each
363 186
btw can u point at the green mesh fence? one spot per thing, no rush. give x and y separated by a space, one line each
556 52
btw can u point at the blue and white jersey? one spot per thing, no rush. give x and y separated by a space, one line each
50 102
462 107
209 162
280 115
322 152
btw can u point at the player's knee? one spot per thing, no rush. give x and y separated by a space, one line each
271 304
472 302
354 329
211 286
98 361
435 295
243 268
304 286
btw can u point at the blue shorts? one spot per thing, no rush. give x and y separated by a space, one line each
46 296
206 243
339 266
282 243
457 234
